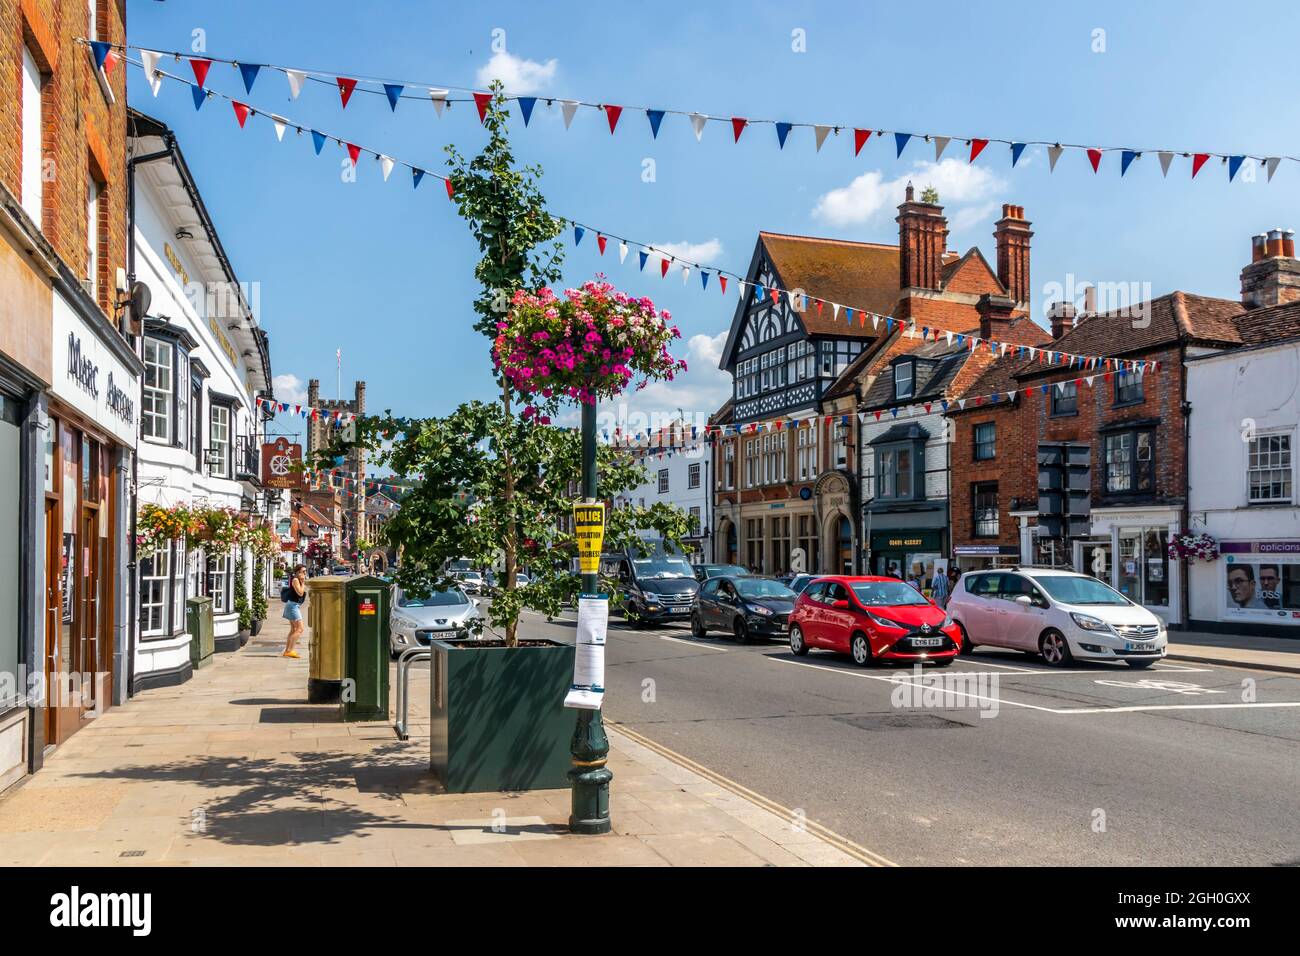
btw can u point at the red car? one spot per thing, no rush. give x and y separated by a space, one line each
872 619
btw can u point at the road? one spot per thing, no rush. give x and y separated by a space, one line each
1097 764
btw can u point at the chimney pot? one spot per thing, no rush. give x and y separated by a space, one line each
1090 300
1012 235
1274 247
1288 243
1257 247
1008 210
1062 315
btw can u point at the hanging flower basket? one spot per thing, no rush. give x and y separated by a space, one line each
588 345
217 526
1189 548
156 525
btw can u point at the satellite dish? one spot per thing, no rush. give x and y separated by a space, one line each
141 299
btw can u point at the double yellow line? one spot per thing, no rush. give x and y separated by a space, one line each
843 844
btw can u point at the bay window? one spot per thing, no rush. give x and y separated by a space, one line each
158 389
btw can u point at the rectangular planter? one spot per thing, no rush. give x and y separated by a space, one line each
498 720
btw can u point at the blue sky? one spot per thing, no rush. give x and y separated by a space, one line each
386 273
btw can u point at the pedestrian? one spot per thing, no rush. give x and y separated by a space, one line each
293 595
939 589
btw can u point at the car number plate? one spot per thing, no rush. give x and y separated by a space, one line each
926 641
678 610
1139 646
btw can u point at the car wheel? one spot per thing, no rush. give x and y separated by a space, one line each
1055 650
797 645
697 626
741 630
1141 665
860 649
967 645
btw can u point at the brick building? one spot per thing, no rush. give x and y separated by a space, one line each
321 429
69 375
787 491
1120 437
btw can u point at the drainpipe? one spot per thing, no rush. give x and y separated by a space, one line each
1184 599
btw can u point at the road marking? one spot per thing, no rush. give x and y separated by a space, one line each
1065 711
844 844
703 647
1046 670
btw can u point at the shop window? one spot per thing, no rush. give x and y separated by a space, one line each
1269 469
1130 462
984 509
985 441
780 544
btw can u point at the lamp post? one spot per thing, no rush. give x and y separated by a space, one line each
589 777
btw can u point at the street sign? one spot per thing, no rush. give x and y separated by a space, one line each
589 529
279 465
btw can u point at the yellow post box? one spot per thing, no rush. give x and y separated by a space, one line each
326 616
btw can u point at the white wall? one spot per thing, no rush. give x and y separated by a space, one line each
679 494
1231 394
936 450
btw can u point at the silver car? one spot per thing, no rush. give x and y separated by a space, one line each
469 581
414 622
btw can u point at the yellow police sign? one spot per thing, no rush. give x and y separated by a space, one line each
589 528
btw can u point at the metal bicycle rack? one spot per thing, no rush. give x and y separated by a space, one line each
404 662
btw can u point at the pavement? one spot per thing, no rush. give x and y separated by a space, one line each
234 768
1241 650
995 760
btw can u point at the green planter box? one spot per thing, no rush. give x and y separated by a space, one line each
498 720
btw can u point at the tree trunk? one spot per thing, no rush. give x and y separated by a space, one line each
510 543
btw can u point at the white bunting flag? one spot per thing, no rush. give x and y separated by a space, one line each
697 123
1011 393
940 144
1271 165
386 163
1165 159
1053 154
819 133
1090 378
568 107
280 123
295 78
622 252
149 60
961 403
835 310
875 321
950 338
686 271
439 98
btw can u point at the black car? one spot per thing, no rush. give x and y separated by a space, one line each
746 607
656 586
705 571
797 582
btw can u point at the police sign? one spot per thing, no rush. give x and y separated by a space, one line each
589 529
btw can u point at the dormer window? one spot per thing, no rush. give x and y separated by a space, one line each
904 379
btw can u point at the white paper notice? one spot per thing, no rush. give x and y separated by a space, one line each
588 688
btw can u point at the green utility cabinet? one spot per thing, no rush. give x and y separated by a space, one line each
365 649
198 622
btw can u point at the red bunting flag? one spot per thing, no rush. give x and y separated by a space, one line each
820 303
927 408
110 59
481 100
1198 160
451 190
722 284
877 415
977 147
776 296
738 127
200 68
1094 157
600 243
860 137
346 87
353 152
612 113
241 112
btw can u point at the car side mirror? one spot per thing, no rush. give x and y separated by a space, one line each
1025 599
840 605
475 602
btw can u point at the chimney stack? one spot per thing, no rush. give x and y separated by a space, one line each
995 316
922 239
1012 234
1273 275
1062 315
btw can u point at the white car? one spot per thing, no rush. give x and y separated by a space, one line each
414 622
1058 614
471 582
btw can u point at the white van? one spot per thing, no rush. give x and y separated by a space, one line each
1058 614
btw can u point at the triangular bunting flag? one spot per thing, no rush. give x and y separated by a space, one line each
1125 158
900 140
612 113
644 256
737 127
346 86
200 96
439 98
722 283
249 73
318 140
697 123
977 147
1053 154
656 117
295 78
782 131
860 137
1094 157
663 268
386 164
149 60
622 252
101 50
354 151
1234 164
568 108
600 243
280 123
1016 150
1271 165
940 144
394 93
1197 162
481 100
819 135
1165 158
241 112
578 233
416 175
200 67
526 104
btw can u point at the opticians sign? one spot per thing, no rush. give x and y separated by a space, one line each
90 378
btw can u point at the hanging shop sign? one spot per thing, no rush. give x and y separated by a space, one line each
280 465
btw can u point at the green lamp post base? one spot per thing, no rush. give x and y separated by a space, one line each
589 777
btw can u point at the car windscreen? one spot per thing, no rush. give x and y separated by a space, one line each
450 598
717 570
662 568
887 594
754 588
1081 590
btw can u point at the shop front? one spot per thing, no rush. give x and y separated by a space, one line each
907 554
1253 588
89 434
975 557
1128 548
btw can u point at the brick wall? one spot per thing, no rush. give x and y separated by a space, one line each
83 133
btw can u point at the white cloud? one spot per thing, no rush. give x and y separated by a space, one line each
705 253
870 194
520 76
289 389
